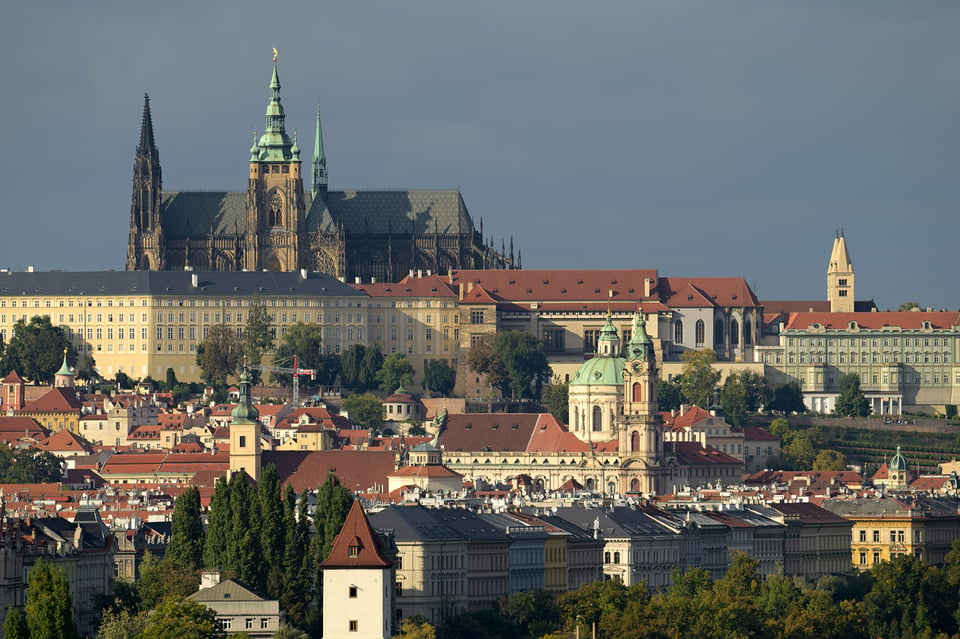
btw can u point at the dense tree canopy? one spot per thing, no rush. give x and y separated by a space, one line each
396 371
219 355
181 618
556 397
439 377
669 394
699 379
786 399
185 548
304 341
851 401
49 611
733 399
515 362
29 466
36 349
366 410
257 335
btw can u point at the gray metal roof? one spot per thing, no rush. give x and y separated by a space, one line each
172 283
193 213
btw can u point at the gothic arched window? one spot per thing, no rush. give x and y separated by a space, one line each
718 336
637 392
275 216
634 441
734 333
701 333
678 332
747 332
597 419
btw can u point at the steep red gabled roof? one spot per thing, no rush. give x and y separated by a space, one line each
478 295
410 286
720 291
356 546
64 442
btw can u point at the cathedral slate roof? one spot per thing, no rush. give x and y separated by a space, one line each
399 212
194 213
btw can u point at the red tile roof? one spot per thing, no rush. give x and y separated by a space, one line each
693 454
356 469
56 400
425 471
573 285
755 433
64 442
720 291
506 432
908 320
356 545
12 378
425 286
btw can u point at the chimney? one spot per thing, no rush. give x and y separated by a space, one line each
419 273
209 579
683 409
194 280
373 280
428 272
357 280
646 287
303 274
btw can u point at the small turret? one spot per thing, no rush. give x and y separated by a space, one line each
64 377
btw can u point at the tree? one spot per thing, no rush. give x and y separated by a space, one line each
219 355
698 380
669 395
525 358
333 505
36 350
396 372
171 380
371 363
757 391
163 578
365 410
908 306
257 335
439 377
15 624
185 548
181 618
416 628
786 399
218 517
483 358
303 341
350 363
122 624
851 401
87 368
556 397
49 611
30 466
830 460
733 399
122 380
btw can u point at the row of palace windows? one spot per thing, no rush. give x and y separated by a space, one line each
719 334
871 341
872 358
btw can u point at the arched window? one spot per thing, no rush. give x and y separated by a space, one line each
747 332
718 336
606 557
701 333
635 485
616 557
637 392
634 442
678 332
597 419
734 333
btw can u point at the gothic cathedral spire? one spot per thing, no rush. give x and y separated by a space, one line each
144 249
319 163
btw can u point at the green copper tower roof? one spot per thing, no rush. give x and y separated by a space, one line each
606 368
274 145
65 368
641 346
244 412
899 462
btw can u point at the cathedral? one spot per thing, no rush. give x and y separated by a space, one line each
278 225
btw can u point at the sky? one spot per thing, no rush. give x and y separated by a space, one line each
697 137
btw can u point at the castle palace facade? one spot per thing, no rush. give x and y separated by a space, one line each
276 225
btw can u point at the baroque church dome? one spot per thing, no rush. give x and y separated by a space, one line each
606 367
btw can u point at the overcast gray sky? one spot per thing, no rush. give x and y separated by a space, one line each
698 137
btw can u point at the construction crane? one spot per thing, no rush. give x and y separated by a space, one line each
295 370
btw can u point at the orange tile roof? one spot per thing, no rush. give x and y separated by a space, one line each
693 454
425 471
57 400
12 378
356 469
426 286
64 441
907 320
556 284
721 291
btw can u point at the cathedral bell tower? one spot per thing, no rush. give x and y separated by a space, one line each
145 249
275 200
641 432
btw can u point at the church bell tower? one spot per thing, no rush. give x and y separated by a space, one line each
275 200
